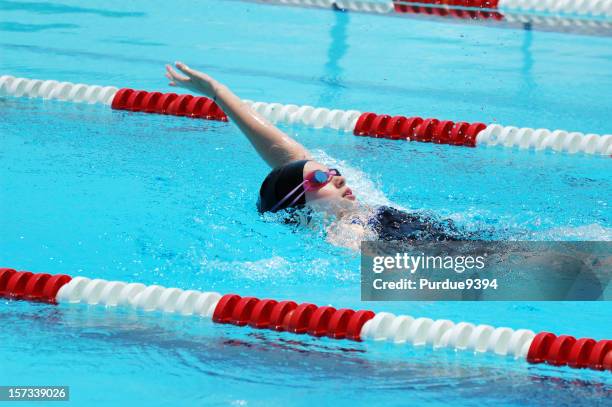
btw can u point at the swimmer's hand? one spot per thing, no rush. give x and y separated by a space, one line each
193 80
273 145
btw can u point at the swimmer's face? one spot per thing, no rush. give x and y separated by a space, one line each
336 194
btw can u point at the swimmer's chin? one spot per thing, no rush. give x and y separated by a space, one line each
338 207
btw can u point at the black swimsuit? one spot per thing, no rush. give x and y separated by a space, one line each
393 224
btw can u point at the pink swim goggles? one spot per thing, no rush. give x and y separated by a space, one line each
314 180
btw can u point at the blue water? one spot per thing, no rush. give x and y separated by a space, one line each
166 200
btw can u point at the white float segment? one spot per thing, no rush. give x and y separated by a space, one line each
541 139
147 298
317 117
68 91
558 21
351 5
576 7
366 6
446 334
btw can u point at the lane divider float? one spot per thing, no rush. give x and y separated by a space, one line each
167 103
49 89
427 130
466 9
592 17
306 318
497 9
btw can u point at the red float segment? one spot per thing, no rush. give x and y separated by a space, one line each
167 103
120 100
566 350
299 319
394 127
580 353
448 8
5 276
291 317
243 310
607 363
364 124
24 285
149 102
339 322
560 349
225 309
458 133
353 329
280 313
540 346
262 314
442 132
599 353
418 129
178 107
163 103
17 284
200 107
52 286
135 99
319 321
379 125
214 112
35 286
424 132
409 128
472 132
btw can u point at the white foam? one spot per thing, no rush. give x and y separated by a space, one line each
365 189
593 232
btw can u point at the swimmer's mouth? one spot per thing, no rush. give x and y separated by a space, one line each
348 194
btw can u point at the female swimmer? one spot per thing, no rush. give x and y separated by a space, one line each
298 184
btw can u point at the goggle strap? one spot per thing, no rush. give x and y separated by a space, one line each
329 174
279 203
296 199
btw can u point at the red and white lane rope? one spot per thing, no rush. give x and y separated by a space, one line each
592 16
306 318
498 8
410 128
465 9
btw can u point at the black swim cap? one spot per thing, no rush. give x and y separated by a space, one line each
279 182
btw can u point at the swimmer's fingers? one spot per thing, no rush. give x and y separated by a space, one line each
186 70
192 73
192 79
177 79
171 83
175 76
171 79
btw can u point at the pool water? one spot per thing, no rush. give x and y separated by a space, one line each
171 201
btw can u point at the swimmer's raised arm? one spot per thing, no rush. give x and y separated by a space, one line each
273 145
